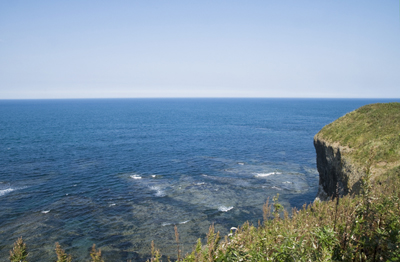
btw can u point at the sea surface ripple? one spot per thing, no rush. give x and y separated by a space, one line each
122 172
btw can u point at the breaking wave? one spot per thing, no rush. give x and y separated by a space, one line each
136 177
267 174
224 208
159 191
5 191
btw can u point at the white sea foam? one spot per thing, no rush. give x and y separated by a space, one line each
45 211
136 176
241 163
9 189
158 190
200 183
169 224
112 205
153 175
5 191
267 174
287 182
277 188
224 208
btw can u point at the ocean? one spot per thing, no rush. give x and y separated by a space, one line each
120 173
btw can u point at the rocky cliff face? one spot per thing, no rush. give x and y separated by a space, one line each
337 173
366 137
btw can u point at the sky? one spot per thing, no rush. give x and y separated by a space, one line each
220 48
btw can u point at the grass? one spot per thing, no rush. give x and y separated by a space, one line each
371 128
360 228
19 252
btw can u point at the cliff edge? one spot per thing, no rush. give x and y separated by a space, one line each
365 140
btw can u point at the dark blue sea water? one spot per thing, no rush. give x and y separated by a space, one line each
122 172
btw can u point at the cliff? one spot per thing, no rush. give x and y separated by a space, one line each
337 172
367 139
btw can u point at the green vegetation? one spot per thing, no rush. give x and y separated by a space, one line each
364 227
61 255
96 254
19 253
371 128
360 228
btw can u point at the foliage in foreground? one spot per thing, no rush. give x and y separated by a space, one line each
19 253
350 228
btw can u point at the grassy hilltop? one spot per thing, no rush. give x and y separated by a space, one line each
364 227
371 133
366 140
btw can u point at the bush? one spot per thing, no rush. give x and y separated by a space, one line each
61 255
19 253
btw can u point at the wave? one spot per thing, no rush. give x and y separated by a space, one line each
159 192
45 211
170 224
224 208
5 191
267 174
8 189
136 176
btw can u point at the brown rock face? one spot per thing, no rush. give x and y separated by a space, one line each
337 173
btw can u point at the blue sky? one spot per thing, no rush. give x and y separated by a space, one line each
99 49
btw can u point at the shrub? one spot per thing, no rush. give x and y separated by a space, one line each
61 255
19 253
96 254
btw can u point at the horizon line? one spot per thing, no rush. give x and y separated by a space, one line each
189 97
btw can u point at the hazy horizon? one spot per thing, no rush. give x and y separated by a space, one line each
177 49
209 97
